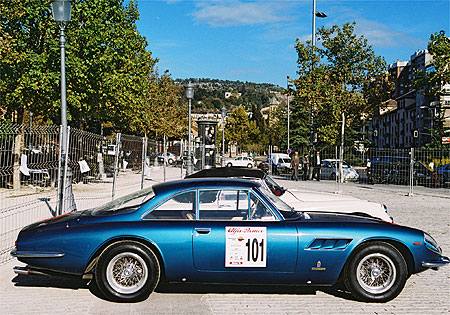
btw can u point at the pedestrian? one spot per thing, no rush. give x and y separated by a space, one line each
305 164
317 165
295 162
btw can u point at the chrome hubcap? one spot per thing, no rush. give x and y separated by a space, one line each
126 273
376 273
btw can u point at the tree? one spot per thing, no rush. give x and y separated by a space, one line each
239 130
111 76
337 85
27 64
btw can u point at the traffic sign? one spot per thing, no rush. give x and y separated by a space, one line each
288 151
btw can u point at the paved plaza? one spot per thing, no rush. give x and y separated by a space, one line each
425 293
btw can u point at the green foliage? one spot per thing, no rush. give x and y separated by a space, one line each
111 76
344 84
239 130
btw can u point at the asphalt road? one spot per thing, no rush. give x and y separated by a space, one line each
425 293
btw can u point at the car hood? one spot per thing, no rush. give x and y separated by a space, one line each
339 217
294 195
331 203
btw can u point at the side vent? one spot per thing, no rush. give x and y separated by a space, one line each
329 244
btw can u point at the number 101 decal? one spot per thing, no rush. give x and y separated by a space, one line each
245 246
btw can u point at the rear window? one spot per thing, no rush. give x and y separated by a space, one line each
128 203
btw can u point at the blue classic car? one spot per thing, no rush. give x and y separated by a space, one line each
223 231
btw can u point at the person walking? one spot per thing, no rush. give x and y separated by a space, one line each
317 165
295 162
305 164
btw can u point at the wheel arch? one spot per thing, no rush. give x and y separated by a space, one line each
402 248
94 258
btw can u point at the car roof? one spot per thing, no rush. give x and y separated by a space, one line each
204 183
226 172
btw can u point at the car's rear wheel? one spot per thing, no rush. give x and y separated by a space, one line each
229 165
249 165
170 161
376 272
127 272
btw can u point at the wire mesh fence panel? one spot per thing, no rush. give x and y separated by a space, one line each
28 175
85 151
131 152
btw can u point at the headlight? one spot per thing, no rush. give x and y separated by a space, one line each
431 243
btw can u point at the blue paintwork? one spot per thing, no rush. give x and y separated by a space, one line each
295 248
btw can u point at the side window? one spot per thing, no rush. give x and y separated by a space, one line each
223 204
258 210
178 207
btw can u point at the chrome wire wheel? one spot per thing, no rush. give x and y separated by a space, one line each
126 273
376 273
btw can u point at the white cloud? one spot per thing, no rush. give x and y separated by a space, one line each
236 13
381 35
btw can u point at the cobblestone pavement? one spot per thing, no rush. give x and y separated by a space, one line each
425 293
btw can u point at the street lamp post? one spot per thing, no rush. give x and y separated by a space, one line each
224 113
61 10
288 116
190 96
311 118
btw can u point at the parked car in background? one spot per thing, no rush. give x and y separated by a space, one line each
263 166
241 161
172 159
280 162
221 231
444 174
330 169
397 170
303 200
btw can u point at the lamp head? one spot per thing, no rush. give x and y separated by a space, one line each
190 90
61 10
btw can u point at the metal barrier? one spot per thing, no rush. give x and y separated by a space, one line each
29 160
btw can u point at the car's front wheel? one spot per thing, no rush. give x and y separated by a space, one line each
376 272
249 165
127 272
229 165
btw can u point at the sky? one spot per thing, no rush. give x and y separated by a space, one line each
254 40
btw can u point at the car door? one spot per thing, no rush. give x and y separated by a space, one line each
241 235
326 170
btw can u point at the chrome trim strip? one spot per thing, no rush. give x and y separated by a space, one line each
31 254
436 263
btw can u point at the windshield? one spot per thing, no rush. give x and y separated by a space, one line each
344 164
286 211
129 202
276 189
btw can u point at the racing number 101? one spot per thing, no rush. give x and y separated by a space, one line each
253 249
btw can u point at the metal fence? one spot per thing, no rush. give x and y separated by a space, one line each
402 167
29 160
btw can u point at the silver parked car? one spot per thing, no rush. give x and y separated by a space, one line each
330 168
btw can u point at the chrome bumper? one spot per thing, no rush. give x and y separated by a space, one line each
442 261
31 254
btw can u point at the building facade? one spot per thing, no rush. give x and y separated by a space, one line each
406 120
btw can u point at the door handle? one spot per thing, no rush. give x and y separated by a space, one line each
203 230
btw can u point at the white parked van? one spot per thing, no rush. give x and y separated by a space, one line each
281 162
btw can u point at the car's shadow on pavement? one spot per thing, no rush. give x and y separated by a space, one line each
49 281
181 288
201 288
